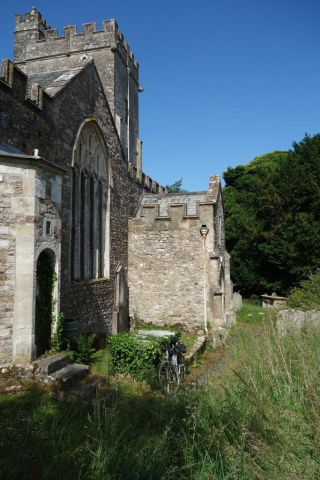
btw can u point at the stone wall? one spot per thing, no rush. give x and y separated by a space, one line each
7 267
51 126
30 192
166 266
288 320
165 277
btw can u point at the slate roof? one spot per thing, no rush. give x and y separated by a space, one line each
10 150
190 198
52 82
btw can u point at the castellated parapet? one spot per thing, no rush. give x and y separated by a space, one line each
36 44
32 20
39 48
17 81
177 216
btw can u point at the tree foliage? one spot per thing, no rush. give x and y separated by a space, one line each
272 208
307 296
176 187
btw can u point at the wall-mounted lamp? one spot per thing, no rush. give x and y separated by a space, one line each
221 258
204 230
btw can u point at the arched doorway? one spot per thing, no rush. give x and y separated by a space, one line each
45 302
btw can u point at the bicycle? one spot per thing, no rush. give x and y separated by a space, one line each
172 370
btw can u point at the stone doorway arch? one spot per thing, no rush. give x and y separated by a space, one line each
45 300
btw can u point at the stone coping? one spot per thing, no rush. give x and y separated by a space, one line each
197 347
156 333
31 160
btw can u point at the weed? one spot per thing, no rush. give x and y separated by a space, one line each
57 338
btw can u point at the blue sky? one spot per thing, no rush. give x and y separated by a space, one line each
225 80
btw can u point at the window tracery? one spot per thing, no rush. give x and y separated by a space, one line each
89 227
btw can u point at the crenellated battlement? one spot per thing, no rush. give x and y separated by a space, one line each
38 49
143 179
15 79
174 211
176 216
31 20
71 41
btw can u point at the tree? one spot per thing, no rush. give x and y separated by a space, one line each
272 210
176 187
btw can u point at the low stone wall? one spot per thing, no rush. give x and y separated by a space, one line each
296 319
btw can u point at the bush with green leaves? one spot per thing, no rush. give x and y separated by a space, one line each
140 360
307 297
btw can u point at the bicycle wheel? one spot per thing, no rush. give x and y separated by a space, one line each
168 378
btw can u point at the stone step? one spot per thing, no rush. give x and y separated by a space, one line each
84 392
49 365
197 347
70 374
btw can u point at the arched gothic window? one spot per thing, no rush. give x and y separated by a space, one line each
89 224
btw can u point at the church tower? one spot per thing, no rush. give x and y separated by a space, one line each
38 48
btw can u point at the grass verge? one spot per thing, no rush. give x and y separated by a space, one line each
259 420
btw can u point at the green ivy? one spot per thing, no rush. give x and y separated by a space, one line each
57 339
46 278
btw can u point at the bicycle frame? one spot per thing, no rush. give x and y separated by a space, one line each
171 371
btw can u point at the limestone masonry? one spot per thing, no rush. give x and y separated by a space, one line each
73 194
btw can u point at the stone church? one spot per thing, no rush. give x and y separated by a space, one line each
73 196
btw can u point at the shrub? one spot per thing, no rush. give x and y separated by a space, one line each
84 351
255 300
137 359
307 297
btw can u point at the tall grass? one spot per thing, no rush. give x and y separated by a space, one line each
259 420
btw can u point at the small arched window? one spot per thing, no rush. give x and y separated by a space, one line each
89 229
